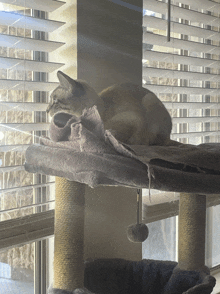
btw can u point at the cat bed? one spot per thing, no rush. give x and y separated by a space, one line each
119 276
79 149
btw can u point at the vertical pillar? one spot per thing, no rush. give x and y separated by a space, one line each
109 42
109 51
69 235
192 225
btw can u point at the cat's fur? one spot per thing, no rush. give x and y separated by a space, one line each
134 114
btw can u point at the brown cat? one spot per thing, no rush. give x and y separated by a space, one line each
134 114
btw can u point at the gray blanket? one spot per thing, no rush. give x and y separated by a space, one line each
119 276
79 149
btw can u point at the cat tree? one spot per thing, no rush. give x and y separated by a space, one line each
191 170
69 235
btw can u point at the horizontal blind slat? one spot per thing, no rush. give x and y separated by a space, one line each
23 21
180 28
26 127
22 188
27 206
180 12
180 59
18 147
156 39
27 85
204 119
43 5
31 65
28 43
8 169
23 106
193 134
191 105
178 74
165 89
204 4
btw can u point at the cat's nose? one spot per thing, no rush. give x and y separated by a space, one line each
51 105
49 108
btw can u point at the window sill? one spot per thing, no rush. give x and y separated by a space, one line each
216 273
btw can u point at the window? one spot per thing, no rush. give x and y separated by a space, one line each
31 34
35 42
184 73
17 269
162 243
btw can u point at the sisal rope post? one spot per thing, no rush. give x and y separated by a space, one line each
192 225
69 235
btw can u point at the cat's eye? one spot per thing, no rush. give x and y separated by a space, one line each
55 99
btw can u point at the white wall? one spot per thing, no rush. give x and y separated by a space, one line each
109 211
109 52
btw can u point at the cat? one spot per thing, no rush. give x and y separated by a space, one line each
133 114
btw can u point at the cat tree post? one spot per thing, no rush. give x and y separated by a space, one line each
69 235
192 224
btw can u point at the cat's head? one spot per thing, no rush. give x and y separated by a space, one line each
72 96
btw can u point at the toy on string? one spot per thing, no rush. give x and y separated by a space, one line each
138 232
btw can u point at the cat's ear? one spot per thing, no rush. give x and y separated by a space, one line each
65 81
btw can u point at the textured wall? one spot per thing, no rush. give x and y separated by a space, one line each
109 42
109 51
109 211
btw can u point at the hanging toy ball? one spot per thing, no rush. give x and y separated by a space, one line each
138 232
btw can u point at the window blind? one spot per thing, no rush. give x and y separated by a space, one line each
25 46
184 72
183 68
